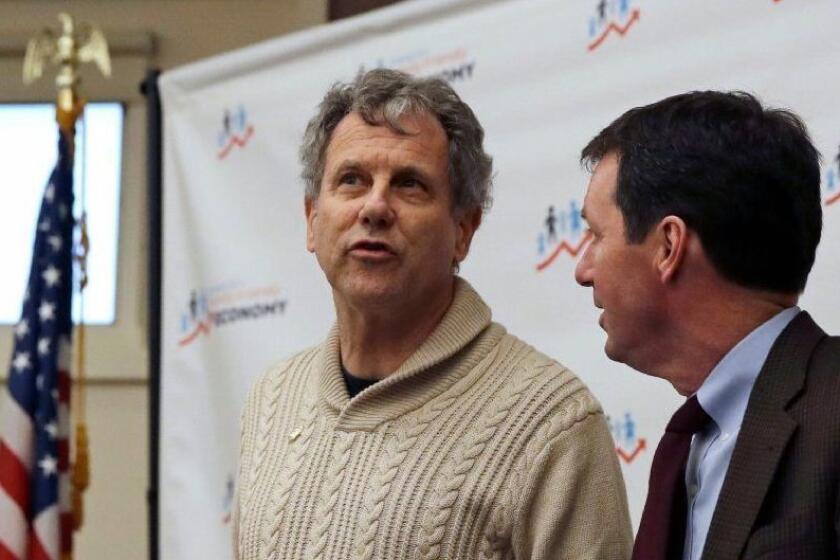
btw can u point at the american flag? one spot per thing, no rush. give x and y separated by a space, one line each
35 513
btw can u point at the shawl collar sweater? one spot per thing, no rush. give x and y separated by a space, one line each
478 446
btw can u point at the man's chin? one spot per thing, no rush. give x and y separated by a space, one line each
370 294
612 352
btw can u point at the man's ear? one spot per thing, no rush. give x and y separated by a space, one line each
310 208
467 223
672 239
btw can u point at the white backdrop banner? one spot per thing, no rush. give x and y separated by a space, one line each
241 292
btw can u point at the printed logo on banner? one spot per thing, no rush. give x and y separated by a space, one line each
832 181
235 131
628 444
222 306
227 500
562 232
611 17
451 65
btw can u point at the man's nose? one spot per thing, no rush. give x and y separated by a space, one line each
583 270
377 212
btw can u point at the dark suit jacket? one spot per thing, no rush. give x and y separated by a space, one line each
781 495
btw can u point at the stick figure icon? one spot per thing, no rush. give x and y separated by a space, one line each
551 224
193 305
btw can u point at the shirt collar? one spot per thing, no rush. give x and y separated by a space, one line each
726 391
423 376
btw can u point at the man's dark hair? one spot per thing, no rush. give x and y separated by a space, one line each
745 178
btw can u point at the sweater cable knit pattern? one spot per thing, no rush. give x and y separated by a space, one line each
433 533
389 470
478 446
265 432
336 476
498 531
280 497
395 460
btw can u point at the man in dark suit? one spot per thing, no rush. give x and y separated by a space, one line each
705 215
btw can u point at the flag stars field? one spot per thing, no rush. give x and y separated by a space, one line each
22 328
51 429
52 276
55 242
47 311
21 362
43 346
30 509
48 465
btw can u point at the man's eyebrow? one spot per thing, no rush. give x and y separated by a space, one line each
412 171
347 165
409 169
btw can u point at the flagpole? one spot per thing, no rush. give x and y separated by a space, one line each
76 44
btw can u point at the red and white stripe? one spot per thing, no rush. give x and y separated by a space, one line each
51 531
64 506
16 454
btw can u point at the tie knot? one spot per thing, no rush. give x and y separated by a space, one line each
690 418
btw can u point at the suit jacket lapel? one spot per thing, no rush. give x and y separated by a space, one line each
762 439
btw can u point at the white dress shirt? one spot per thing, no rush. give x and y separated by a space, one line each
724 396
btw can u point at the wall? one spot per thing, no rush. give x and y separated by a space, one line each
182 31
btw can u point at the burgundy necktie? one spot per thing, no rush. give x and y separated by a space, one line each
662 531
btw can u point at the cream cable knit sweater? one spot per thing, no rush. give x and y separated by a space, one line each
477 447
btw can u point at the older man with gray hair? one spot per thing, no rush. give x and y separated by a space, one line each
419 428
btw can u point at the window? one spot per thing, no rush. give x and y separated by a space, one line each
28 151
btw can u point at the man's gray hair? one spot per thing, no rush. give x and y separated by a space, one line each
382 97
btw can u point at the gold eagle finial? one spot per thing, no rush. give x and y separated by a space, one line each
76 44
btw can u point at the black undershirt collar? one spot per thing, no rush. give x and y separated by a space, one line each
355 385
